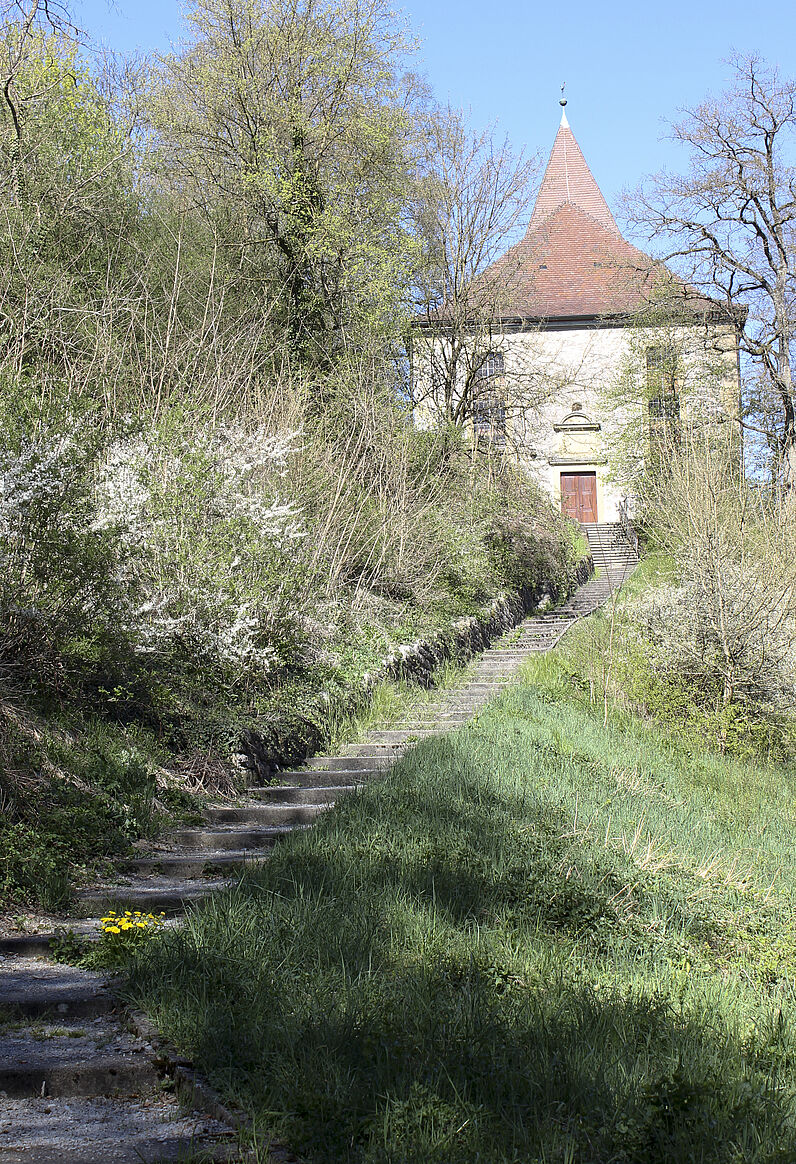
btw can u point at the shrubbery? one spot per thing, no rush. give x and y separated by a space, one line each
216 517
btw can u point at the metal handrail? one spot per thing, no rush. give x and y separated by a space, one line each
626 526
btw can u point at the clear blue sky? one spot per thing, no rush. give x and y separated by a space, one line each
627 65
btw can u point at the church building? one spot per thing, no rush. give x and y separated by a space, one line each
578 318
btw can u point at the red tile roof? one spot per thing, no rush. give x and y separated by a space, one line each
573 261
572 265
568 179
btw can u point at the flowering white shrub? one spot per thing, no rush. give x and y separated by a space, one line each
735 635
56 573
207 541
166 538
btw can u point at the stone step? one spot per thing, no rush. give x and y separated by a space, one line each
397 735
193 865
220 839
449 723
507 668
295 794
470 708
107 1130
512 658
325 777
32 989
345 764
266 814
378 750
170 896
67 1067
38 945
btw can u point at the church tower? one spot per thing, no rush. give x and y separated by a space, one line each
578 305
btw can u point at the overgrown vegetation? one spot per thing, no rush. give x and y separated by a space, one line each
540 938
216 518
703 638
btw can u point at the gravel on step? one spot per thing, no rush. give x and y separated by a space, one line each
31 987
107 1131
96 1057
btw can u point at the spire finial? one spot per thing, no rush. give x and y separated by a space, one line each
563 100
563 103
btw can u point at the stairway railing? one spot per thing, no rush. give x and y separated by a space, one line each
628 532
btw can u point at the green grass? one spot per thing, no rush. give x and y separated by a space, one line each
607 660
75 791
539 939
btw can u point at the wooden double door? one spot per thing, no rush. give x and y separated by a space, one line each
579 496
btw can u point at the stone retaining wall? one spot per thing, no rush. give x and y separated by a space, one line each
261 753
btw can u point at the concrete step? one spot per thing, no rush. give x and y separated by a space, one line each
32 989
328 776
106 1130
38 944
193 865
295 794
398 735
64 1066
378 750
266 814
171 896
511 659
221 839
345 764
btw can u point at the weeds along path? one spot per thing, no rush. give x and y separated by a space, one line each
81 1083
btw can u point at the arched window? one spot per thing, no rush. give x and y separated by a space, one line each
663 405
489 403
663 400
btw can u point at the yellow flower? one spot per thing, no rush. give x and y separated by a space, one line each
112 930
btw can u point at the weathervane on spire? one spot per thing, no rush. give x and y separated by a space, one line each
563 100
562 103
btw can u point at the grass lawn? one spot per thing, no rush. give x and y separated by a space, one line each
539 939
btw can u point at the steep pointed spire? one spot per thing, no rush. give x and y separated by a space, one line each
568 179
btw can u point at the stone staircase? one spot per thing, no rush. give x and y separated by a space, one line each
612 553
80 1083
66 1098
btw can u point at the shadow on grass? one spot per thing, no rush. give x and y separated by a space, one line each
425 977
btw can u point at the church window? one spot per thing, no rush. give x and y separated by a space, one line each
489 418
491 366
663 405
489 405
663 398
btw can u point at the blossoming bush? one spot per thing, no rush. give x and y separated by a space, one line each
208 540
152 539
58 572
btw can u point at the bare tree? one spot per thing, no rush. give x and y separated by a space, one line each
731 223
473 193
